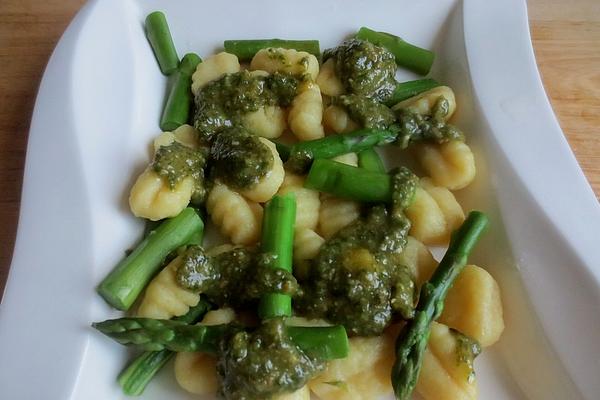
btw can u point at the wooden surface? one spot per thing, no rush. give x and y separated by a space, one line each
566 38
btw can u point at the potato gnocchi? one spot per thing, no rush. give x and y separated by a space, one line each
474 307
288 61
306 113
424 102
269 184
450 165
442 377
164 298
213 68
151 196
237 218
268 121
434 214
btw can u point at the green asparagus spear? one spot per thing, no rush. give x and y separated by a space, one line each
278 239
246 49
179 101
136 376
123 285
412 341
283 150
407 55
328 342
159 36
369 160
302 153
349 182
406 90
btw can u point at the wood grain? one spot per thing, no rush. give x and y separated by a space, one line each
566 38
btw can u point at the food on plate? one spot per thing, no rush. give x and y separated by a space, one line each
320 279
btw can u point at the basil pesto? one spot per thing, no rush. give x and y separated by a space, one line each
415 127
264 363
223 102
365 111
364 68
356 279
239 158
237 278
467 349
176 162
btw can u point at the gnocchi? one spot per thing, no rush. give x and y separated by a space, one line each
289 61
307 201
213 68
336 213
306 112
237 218
268 185
197 372
363 375
151 196
268 121
434 214
337 120
451 164
164 298
328 80
307 244
417 257
423 103
442 377
474 307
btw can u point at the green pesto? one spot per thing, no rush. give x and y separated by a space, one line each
415 127
365 111
467 349
262 364
223 102
239 158
237 278
364 68
356 279
176 162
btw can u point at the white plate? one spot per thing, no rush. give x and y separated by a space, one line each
97 111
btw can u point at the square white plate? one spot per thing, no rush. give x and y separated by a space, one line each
98 108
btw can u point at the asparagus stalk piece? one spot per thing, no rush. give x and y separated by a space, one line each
371 161
349 182
303 153
123 285
278 239
406 90
179 101
136 376
283 150
159 36
328 342
246 49
412 341
407 55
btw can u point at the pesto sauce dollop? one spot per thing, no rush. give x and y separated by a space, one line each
415 127
364 68
176 162
367 112
239 158
236 278
223 102
467 349
264 363
356 280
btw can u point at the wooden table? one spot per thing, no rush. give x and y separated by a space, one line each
566 38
